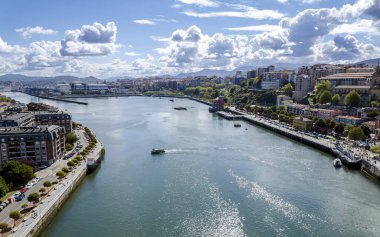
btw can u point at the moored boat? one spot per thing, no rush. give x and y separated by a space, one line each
157 151
237 125
337 163
180 108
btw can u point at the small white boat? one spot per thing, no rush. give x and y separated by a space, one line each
337 163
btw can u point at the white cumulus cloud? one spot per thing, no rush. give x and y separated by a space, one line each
90 40
28 32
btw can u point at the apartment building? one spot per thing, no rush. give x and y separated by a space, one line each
35 146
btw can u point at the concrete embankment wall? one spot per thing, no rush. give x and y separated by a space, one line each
48 216
370 170
292 136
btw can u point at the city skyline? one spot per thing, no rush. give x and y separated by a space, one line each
129 38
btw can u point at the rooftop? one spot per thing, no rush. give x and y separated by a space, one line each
359 75
28 130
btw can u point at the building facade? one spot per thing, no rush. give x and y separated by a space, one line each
303 86
54 118
35 146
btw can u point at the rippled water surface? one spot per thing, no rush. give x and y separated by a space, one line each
214 180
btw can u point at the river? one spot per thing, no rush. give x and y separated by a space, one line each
214 180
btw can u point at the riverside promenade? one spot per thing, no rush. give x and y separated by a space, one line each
34 222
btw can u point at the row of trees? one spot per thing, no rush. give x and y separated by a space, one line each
324 96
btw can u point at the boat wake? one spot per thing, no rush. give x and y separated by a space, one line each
265 162
305 221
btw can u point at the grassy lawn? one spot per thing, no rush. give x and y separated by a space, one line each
7 196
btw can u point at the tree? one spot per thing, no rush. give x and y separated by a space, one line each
375 103
324 97
60 174
323 86
3 187
375 149
66 170
335 99
71 138
47 184
23 206
70 164
3 226
366 130
339 128
16 173
321 123
42 190
287 89
356 134
15 215
373 114
352 99
34 197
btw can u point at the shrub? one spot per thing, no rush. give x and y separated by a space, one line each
15 215
60 174
70 163
47 184
34 197
3 226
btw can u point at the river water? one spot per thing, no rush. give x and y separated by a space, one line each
214 180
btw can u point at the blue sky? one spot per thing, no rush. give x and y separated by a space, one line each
153 37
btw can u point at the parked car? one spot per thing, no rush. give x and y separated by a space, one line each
20 197
29 185
16 194
42 167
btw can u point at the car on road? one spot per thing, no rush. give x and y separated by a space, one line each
42 167
20 197
16 194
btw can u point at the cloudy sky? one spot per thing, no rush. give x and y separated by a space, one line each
154 37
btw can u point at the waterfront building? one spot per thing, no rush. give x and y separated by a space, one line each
251 74
218 104
297 109
350 120
63 88
302 123
36 146
281 98
84 88
58 118
328 113
310 112
303 86
347 79
16 119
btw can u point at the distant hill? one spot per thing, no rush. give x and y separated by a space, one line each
370 62
67 79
